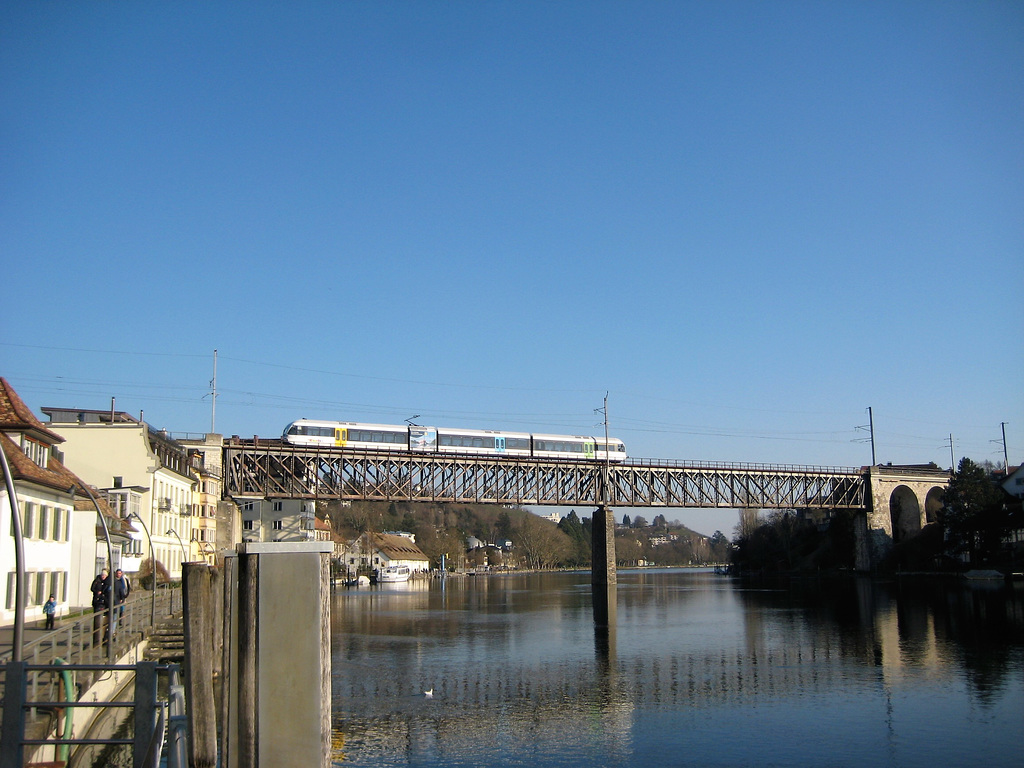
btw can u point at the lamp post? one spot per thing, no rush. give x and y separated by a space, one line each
152 560
19 562
184 556
110 565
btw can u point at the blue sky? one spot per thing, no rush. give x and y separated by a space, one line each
747 222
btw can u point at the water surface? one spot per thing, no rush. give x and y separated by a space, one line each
698 670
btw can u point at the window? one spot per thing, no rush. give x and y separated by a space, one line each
44 521
249 506
58 524
29 521
247 525
279 525
278 506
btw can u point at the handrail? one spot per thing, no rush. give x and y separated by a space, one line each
74 638
17 703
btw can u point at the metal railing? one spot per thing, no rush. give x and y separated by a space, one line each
154 722
78 640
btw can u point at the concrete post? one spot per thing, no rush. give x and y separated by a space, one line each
603 576
281 656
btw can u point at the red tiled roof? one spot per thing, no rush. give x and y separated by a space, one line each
55 475
16 416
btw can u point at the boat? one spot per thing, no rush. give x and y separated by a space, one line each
394 573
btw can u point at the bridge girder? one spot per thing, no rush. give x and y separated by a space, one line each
254 470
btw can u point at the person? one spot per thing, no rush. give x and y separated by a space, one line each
100 602
122 588
50 609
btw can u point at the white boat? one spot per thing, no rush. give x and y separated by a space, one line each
394 573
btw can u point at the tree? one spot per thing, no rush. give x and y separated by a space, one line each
639 522
972 513
572 527
540 543
626 522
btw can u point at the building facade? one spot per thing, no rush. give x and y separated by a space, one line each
114 451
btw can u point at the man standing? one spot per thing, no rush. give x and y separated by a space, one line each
100 603
122 588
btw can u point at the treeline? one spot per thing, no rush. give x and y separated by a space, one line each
443 529
972 529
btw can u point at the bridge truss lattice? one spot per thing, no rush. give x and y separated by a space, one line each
273 471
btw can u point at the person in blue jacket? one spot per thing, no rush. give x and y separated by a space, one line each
50 609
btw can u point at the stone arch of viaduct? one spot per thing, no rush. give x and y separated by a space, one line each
902 500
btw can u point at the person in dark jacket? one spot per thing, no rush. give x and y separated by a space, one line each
100 603
122 588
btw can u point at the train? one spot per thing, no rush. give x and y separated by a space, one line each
487 442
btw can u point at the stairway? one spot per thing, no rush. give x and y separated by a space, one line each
167 641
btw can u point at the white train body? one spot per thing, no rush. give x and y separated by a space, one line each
392 437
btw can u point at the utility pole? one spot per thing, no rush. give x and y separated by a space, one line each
1006 458
952 461
213 396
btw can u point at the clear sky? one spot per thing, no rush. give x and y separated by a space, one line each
747 222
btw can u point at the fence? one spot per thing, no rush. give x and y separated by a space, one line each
151 721
78 647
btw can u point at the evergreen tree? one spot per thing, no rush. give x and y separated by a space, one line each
973 513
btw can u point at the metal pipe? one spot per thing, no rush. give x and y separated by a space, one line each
152 560
184 556
110 566
19 563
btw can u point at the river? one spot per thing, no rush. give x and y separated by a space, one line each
698 670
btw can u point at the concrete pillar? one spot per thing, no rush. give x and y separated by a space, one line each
280 708
603 575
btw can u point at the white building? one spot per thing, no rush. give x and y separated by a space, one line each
122 455
58 520
278 520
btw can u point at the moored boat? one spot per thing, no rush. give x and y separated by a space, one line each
394 573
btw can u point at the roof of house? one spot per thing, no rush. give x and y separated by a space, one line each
55 475
397 547
15 416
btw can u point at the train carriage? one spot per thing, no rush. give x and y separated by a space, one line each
347 434
392 437
483 441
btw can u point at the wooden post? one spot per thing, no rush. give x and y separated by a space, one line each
145 710
200 661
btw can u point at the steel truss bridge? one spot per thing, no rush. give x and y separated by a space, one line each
273 470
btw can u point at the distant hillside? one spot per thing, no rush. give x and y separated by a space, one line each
442 529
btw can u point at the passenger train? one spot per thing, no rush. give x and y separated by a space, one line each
391 437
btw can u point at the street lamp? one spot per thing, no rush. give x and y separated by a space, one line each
152 560
184 556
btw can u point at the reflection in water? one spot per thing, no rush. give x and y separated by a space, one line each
693 666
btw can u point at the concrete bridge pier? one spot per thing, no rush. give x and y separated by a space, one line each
603 577
901 501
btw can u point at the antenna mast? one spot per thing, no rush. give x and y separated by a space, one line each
213 396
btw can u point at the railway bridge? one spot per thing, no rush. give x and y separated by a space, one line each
895 502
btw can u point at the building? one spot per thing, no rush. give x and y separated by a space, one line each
123 456
216 525
376 551
58 518
278 520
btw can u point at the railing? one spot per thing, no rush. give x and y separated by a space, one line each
743 466
152 718
74 640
